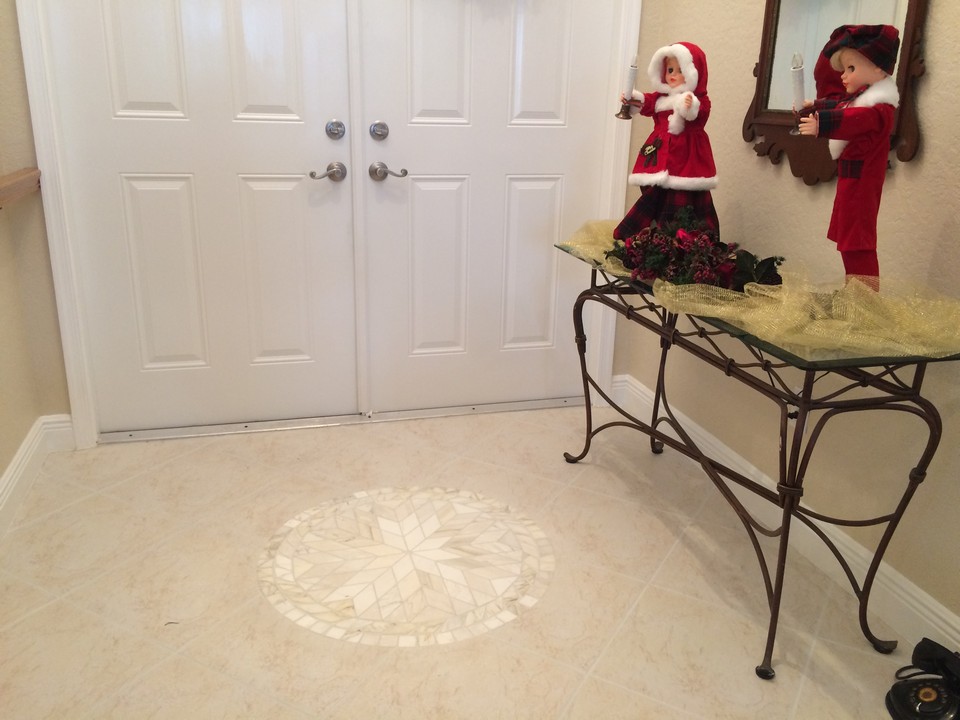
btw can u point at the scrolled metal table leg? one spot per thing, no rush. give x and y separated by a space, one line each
581 340
656 446
929 414
790 490
790 497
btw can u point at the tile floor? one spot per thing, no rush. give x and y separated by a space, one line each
129 588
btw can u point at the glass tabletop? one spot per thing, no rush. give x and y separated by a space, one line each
810 359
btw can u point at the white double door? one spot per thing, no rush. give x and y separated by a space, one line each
220 283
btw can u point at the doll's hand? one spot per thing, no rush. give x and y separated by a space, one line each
687 100
809 125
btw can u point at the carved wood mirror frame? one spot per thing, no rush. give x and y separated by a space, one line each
810 157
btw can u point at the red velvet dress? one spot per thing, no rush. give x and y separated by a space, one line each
681 161
863 125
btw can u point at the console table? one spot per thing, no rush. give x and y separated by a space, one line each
856 384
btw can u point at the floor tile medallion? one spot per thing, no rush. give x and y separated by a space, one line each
406 566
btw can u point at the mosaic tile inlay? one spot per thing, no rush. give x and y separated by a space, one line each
406 566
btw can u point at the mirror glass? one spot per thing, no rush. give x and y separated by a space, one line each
804 27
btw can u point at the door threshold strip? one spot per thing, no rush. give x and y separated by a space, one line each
119 436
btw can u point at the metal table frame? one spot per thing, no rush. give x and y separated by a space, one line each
891 384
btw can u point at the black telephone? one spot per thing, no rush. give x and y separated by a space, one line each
929 688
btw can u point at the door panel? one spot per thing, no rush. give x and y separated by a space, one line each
265 60
465 287
278 279
217 277
529 268
438 209
145 59
163 245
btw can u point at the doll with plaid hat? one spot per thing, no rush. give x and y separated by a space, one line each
858 127
675 167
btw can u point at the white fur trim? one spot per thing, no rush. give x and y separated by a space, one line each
675 122
665 102
691 183
691 75
836 147
672 182
880 93
884 92
680 114
642 179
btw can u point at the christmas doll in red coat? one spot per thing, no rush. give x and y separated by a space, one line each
859 128
675 167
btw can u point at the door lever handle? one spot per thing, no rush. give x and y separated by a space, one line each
336 171
379 171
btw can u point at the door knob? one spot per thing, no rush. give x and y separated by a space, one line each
335 129
379 130
379 171
336 171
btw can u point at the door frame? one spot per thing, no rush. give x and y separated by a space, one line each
63 248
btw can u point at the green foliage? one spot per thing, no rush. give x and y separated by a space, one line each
687 250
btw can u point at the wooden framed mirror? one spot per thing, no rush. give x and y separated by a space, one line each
769 126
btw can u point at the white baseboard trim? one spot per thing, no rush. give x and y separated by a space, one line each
50 433
895 600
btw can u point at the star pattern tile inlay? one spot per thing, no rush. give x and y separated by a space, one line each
406 566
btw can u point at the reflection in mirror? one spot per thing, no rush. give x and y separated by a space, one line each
804 27
790 27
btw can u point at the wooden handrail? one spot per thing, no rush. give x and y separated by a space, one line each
18 184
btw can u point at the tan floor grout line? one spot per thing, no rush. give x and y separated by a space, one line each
240 679
719 603
61 593
617 632
149 668
619 629
47 515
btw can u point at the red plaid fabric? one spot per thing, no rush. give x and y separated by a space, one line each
878 43
660 205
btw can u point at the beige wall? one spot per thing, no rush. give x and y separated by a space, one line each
768 211
32 380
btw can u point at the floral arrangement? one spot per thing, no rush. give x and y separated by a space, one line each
688 251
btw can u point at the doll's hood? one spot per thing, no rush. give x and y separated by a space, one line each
693 65
827 80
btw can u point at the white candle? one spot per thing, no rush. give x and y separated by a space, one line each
631 82
796 72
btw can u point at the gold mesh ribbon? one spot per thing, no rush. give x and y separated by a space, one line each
811 322
817 324
591 242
